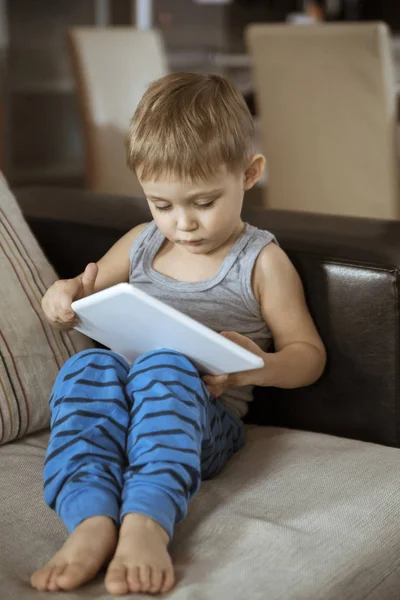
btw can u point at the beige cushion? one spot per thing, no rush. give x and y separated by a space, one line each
31 352
293 516
327 108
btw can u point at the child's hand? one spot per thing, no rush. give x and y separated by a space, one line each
217 384
56 302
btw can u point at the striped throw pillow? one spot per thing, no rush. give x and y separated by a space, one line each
31 352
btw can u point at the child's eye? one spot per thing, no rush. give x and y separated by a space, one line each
163 208
206 205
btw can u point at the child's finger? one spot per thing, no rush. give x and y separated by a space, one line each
215 379
89 279
215 391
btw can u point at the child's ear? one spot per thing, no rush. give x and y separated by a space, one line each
254 171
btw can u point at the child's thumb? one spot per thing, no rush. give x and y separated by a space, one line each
89 279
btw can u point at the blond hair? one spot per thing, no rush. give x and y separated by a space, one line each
189 125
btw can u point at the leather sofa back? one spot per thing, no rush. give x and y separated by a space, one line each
350 271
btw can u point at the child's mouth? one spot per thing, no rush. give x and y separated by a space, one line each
191 242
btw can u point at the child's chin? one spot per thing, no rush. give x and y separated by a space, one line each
201 248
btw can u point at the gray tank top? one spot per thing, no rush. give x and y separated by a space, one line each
225 302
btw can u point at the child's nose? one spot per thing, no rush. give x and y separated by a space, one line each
186 223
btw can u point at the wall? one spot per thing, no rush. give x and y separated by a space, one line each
42 137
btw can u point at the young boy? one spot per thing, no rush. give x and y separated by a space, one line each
130 444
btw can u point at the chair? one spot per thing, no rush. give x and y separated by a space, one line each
327 109
112 67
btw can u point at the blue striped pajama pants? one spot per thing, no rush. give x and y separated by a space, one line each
133 440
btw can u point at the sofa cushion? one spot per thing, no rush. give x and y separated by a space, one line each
31 352
293 516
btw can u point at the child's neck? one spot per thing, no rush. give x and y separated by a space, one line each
179 263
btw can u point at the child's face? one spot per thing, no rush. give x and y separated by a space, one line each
198 216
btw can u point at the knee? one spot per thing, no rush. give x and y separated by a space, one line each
163 358
163 366
80 358
97 356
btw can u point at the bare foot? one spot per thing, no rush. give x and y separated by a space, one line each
141 562
81 557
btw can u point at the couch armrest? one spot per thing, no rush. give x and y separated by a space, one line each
350 270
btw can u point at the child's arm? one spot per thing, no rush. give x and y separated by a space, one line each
111 269
299 357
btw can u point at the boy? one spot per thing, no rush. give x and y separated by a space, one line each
129 445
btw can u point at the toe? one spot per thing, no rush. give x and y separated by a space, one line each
156 581
169 580
52 584
133 579
116 579
75 575
145 575
41 578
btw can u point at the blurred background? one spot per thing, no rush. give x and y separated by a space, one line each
45 106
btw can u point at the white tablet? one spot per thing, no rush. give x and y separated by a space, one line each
130 322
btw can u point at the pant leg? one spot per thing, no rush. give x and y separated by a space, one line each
85 459
177 432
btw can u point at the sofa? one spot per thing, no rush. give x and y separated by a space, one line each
310 508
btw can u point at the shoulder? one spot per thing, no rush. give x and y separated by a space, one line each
273 270
273 258
136 231
140 238
131 236
124 243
